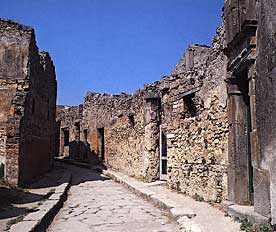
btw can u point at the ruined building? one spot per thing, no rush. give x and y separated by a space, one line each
208 128
250 39
27 105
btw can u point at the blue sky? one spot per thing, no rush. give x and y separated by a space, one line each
114 46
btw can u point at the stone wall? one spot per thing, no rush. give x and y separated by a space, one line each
68 115
69 118
194 57
251 102
14 58
125 145
6 95
103 108
131 138
196 126
37 133
266 108
117 129
199 123
28 87
188 106
99 112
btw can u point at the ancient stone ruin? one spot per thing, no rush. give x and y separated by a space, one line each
27 107
208 128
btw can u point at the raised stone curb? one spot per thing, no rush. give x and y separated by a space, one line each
183 216
40 219
245 212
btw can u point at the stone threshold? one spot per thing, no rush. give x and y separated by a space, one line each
245 212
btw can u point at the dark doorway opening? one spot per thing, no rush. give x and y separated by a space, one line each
2 170
101 144
66 138
163 155
243 84
85 149
131 120
85 135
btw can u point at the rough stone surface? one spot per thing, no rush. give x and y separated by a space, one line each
33 203
265 99
98 204
181 212
203 128
190 214
190 98
195 56
68 118
247 212
28 104
251 104
24 226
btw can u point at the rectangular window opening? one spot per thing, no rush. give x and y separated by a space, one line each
190 105
131 120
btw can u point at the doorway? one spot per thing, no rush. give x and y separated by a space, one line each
163 155
243 138
66 137
101 144
243 84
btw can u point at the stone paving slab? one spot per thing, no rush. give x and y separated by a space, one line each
97 203
24 226
193 216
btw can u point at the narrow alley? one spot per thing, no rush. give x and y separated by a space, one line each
113 130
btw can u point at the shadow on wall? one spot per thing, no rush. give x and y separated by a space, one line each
79 150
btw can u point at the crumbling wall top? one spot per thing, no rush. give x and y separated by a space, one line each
47 64
17 42
6 24
68 115
195 56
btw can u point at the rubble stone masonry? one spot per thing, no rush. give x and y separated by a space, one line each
208 127
196 124
188 106
28 104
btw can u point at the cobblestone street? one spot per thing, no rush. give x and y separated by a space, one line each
98 204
